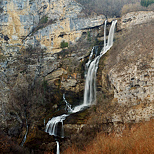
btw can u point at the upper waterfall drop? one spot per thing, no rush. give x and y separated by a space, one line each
110 37
90 85
92 64
105 35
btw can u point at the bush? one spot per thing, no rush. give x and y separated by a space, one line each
44 20
146 3
132 8
64 44
137 139
88 36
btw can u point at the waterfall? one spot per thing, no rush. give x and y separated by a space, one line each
25 137
55 125
44 121
90 83
58 150
105 35
110 38
68 106
90 57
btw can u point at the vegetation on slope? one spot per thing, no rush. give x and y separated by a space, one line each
112 8
137 139
1 8
146 3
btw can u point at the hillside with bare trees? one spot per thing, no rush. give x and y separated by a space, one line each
112 8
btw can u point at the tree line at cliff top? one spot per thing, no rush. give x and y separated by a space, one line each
146 3
115 8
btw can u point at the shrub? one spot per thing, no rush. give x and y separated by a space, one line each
64 44
137 139
43 20
88 36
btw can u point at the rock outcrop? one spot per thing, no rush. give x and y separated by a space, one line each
128 70
135 18
44 23
31 33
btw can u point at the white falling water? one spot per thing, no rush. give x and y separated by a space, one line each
110 38
58 150
105 35
68 106
90 57
90 83
52 127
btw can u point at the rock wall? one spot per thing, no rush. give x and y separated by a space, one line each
29 24
126 75
45 23
129 66
135 18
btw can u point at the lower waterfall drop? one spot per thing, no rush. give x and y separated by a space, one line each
58 150
55 125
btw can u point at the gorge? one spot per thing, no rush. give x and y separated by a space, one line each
55 55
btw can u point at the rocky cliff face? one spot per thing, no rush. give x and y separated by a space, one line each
135 18
35 71
129 69
31 33
44 23
125 84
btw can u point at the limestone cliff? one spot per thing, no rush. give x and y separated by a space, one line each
128 68
34 79
125 83
31 33
42 23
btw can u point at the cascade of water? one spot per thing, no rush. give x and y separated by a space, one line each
58 150
90 83
55 126
110 38
111 34
105 35
52 127
44 121
94 51
90 57
68 106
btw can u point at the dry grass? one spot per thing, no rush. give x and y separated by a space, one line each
139 139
